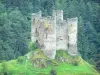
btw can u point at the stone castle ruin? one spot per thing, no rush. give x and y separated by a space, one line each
53 33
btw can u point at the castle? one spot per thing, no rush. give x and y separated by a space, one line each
53 33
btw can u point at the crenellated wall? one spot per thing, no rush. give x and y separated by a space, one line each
53 33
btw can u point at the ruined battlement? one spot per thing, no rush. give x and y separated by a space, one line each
53 33
58 14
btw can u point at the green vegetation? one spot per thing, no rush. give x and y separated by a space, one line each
15 26
33 46
26 67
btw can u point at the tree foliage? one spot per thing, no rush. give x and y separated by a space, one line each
15 25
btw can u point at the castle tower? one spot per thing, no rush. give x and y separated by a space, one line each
58 15
39 14
61 31
54 14
33 28
34 25
50 39
72 36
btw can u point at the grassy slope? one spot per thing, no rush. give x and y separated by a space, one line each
26 67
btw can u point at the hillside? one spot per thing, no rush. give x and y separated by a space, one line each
15 25
36 63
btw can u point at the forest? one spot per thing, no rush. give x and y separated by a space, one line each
15 26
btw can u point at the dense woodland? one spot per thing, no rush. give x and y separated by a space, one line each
15 25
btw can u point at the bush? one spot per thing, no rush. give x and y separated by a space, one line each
4 68
75 63
53 72
20 59
32 46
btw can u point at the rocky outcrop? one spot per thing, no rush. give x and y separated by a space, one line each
40 60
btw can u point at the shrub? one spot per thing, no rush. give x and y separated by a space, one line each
4 68
32 46
75 63
53 72
20 59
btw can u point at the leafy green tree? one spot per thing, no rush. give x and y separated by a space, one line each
19 28
14 31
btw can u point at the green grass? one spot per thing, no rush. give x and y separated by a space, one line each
74 70
61 69
13 67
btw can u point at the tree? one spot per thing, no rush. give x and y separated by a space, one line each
14 31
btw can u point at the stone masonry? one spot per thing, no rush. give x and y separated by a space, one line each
53 33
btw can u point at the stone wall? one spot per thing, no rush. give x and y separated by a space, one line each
61 34
72 35
53 33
